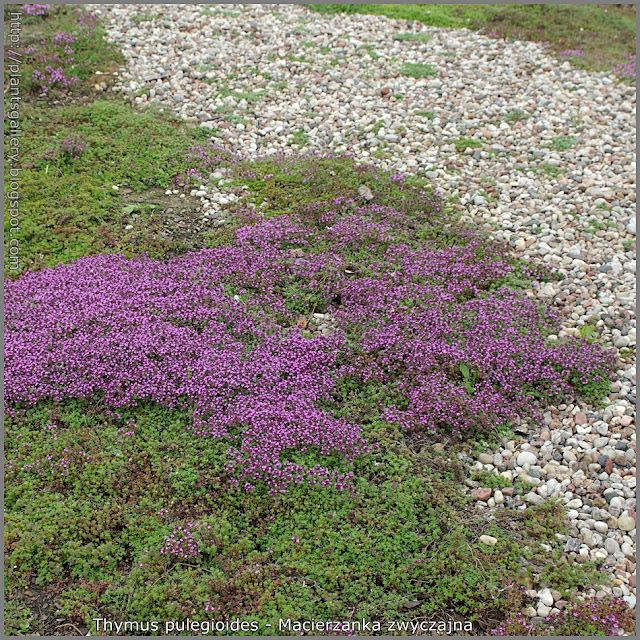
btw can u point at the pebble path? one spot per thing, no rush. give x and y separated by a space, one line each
540 153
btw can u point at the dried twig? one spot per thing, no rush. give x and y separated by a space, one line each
68 624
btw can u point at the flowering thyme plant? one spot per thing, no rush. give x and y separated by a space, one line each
68 150
216 331
608 617
36 9
53 59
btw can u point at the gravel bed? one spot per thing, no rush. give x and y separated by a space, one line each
550 169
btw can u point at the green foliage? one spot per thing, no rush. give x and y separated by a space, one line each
417 70
300 137
413 37
467 143
406 532
144 17
596 388
251 97
70 209
282 186
588 332
516 116
17 619
220 12
551 170
469 378
516 279
370 49
493 480
562 143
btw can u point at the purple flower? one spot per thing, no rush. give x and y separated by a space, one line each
36 9
626 70
572 52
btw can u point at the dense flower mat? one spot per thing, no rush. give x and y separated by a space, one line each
219 331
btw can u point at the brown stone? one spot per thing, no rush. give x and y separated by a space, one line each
580 418
482 494
608 466
385 91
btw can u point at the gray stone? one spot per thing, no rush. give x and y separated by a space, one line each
365 193
526 457
611 546
572 544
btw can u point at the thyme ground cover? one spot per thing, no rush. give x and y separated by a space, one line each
199 375
215 332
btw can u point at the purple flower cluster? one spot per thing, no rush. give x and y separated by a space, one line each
86 20
70 147
68 150
57 462
186 541
609 617
36 9
62 37
216 332
125 432
204 159
572 52
50 76
626 70
57 54
490 34
134 330
182 543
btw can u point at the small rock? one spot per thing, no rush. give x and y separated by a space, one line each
526 457
626 523
580 418
490 540
365 193
545 597
482 494
611 546
572 544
